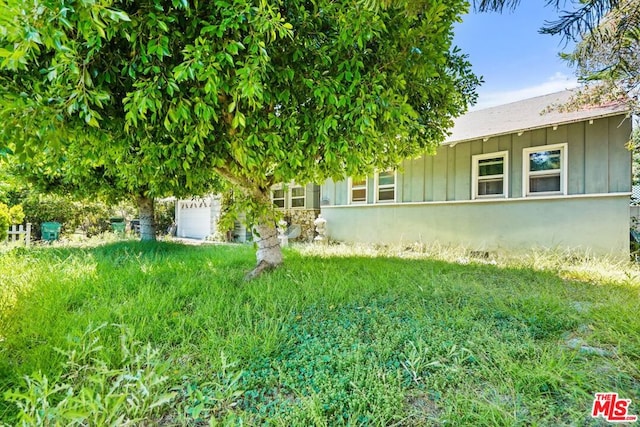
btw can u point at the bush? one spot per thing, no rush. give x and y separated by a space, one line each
9 216
49 208
165 214
91 217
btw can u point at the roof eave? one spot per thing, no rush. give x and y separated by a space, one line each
620 112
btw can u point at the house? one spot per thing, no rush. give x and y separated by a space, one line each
197 218
508 178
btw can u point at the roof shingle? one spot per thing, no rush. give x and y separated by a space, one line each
528 114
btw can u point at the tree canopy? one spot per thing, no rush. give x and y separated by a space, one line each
607 52
609 56
572 23
259 92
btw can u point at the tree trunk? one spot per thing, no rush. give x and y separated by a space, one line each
269 254
146 208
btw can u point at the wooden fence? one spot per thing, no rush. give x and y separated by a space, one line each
20 233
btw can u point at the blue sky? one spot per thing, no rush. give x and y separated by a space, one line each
515 60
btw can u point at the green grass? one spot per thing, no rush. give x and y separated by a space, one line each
340 336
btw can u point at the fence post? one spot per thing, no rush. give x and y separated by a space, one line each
14 233
27 237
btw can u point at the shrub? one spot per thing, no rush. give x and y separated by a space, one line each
92 217
47 208
8 216
165 213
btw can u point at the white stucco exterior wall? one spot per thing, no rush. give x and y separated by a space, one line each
597 224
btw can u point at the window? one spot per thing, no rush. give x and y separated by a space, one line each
291 196
278 197
490 175
297 196
386 186
545 170
358 190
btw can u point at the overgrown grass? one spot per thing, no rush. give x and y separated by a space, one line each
349 336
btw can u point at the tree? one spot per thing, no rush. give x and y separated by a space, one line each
609 56
606 56
119 171
572 24
263 92
52 128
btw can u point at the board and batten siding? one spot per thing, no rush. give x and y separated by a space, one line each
595 166
433 195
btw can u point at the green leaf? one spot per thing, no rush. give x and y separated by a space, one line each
241 119
118 15
163 399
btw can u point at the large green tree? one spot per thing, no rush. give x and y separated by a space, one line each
109 166
262 91
59 151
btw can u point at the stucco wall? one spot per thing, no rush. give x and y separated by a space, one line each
597 224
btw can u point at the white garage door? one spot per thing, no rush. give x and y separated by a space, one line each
194 219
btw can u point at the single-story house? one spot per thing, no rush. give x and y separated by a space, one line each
515 176
197 218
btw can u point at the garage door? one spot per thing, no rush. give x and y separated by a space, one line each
194 218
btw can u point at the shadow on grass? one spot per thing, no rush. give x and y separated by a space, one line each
350 332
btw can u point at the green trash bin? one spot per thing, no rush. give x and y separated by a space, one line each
118 227
50 231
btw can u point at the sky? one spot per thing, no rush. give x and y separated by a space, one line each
515 61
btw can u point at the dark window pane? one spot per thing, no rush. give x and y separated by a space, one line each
386 178
544 160
491 166
386 194
490 187
278 194
297 203
279 203
297 192
359 195
539 184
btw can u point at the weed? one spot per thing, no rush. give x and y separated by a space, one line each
94 391
339 335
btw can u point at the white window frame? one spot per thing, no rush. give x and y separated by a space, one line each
475 176
366 191
303 197
378 187
283 198
526 173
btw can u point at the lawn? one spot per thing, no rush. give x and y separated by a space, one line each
168 334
